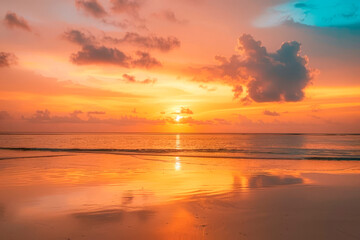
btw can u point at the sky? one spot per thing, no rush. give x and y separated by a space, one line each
273 66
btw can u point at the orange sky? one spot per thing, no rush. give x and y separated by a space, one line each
173 66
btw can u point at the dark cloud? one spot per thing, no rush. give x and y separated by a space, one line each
126 23
79 37
4 115
7 59
44 116
271 113
268 77
91 7
170 16
131 79
122 24
151 42
145 60
96 10
95 113
301 5
237 90
14 21
90 54
130 7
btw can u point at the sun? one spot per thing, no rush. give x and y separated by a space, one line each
178 117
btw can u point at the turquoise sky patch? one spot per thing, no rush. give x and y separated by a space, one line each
320 13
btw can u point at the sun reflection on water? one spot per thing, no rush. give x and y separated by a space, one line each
177 142
177 164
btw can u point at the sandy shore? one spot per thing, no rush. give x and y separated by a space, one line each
96 196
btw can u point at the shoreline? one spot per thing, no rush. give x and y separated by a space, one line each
103 196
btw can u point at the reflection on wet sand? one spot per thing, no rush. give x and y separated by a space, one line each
259 181
111 215
143 197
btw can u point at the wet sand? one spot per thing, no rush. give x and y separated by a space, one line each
105 196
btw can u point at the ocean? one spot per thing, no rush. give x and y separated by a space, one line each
179 186
244 146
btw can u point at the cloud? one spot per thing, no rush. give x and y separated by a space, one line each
151 42
130 7
96 10
90 54
170 16
207 88
237 90
14 21
145 60
192 121
271 113
7 59
189 120
320 13
91 7
183 110
4 115
95 113
266 77
45 116
79 37
122 24
131 79
186 111
221 121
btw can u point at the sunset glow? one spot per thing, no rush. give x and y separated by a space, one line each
172 66
179 119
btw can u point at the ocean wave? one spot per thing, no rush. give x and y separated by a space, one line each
276 153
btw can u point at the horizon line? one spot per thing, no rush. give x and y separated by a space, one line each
171 133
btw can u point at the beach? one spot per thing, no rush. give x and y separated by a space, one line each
86 195
179 120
